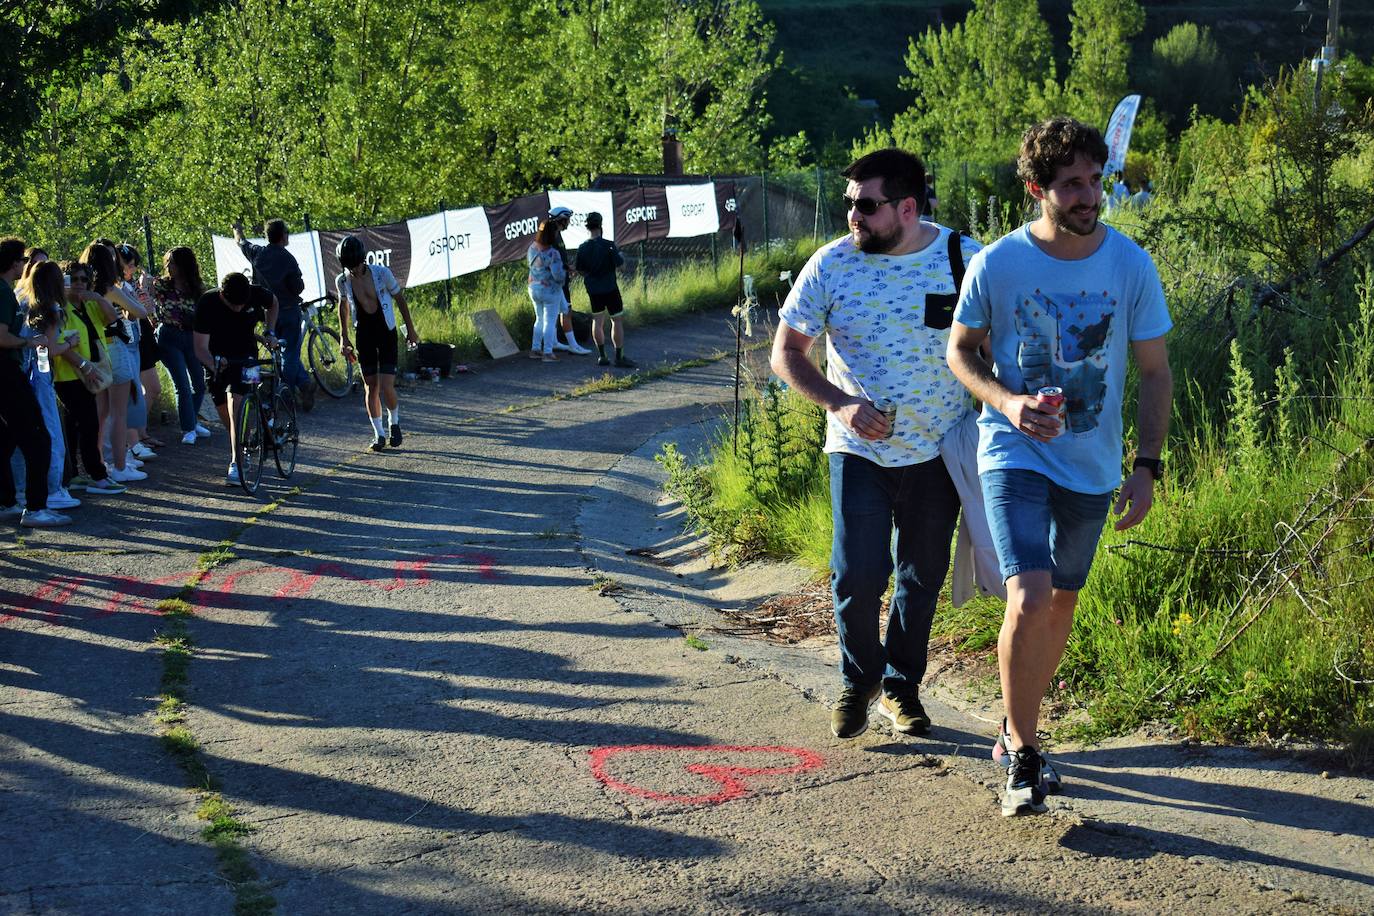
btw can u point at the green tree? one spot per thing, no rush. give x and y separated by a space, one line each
979 84
1100 41
1187 69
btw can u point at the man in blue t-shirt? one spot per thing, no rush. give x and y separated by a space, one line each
1064 301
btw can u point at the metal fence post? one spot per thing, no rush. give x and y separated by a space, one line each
148 240
816 227
764 178
448 258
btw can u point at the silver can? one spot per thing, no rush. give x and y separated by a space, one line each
888 408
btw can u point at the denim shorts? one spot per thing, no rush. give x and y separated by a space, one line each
123 360
1037 524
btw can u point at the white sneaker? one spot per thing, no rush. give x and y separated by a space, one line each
208 412
201 431
231 477
62 500
106 487
559 345
128 475
142 452
577 348
130 461
189 438
44 518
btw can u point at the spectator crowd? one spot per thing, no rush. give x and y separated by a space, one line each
80 343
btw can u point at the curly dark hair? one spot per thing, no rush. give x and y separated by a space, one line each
1054 144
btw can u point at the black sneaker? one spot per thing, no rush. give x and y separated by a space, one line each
623 363
1050 782
305 397
850 716
378 444
1024 795
905 712
395 435
602 360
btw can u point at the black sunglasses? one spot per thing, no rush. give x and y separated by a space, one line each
865 205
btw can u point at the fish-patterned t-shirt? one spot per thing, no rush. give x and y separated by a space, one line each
886 320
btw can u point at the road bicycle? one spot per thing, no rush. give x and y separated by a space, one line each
266 422
332 370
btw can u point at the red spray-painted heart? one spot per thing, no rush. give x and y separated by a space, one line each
731 778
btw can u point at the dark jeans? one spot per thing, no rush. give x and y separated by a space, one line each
868 502
288 331
83 430
178 352
21 427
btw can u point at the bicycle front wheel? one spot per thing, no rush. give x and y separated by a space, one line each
285 434
251 446
327 363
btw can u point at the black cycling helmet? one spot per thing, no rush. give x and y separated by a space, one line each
351 252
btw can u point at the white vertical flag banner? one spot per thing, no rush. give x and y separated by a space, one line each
448 244
304 246
691 210
1119 133
581 203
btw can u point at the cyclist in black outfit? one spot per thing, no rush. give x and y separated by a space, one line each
226 337
369 296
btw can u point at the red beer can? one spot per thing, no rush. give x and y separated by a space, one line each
1054 397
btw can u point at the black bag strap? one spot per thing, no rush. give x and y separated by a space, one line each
956 259
80 308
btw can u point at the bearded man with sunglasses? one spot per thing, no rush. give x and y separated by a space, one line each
884 297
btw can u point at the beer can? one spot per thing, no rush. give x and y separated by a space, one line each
1054 397
888 408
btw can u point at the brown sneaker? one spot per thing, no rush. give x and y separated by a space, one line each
906 714
850 716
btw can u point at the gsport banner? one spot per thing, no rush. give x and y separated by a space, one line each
304 246
640 214
691 210
448 244
581 203
512 226
387 245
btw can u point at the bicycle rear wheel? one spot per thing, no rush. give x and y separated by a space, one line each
285 434
251 446
327 363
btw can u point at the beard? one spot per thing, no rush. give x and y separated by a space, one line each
1077 221
871 242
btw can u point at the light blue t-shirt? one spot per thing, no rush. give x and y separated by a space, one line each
1068 324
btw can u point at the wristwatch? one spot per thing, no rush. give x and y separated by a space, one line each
1153 465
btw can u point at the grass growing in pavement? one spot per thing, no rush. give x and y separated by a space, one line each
696 642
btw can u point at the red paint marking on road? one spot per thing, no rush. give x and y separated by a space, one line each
485 563
135 593
46 599
731 779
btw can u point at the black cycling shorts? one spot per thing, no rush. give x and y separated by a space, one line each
230 378
607 302
375 345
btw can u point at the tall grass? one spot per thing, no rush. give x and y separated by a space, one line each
1242 607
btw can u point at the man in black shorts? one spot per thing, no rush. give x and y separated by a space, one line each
368 297
226 336
597 260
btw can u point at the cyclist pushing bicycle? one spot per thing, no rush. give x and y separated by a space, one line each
230 322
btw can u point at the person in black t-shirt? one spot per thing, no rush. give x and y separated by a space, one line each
226 336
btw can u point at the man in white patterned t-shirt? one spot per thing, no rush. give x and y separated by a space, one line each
884 298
